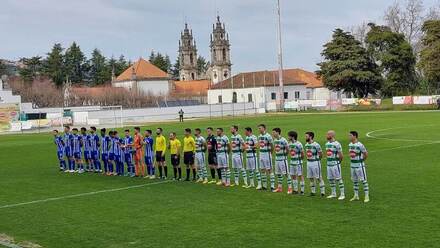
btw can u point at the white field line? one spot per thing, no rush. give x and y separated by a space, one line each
80 195
9 245
425 142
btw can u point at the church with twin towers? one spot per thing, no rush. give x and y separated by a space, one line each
220 63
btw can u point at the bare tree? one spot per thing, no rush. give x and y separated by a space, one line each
360 32
394 17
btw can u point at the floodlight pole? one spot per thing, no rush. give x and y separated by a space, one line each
280 59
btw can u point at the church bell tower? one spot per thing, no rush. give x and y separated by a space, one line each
187 56
220 53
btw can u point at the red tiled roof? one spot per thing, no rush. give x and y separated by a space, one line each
143 70
196 87
270 78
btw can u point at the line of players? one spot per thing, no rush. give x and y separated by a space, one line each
142 155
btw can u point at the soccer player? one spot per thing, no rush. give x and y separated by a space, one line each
94 150
211 143
119 154
251 157
86 148
189 146
200 156
265 142
58 140
161 147
105 149
127 146
296 151
223 148
149 157
237 144
358 155
77 145
281 147
111 156
333 150
138 144
174 145
68 149
314 155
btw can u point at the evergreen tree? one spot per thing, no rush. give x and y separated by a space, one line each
75 63
395 58
202 65
54 65
32 68
430 54
161 61
175 70
348 67
3 68
100 72
121 65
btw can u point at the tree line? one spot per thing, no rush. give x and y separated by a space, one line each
398 58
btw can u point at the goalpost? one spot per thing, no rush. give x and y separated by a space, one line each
109 116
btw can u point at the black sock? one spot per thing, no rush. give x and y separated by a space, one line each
180 172
194 174
160 171
165 168
175 172
212 173
219 173
188 172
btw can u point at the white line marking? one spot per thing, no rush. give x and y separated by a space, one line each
426 142
9 245
79 195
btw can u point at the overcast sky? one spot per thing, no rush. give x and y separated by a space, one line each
135 27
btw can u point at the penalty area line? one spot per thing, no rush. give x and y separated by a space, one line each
80 195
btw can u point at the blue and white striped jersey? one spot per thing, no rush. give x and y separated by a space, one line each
68 140
86 142
94 143
128 141
77 143
149 142
59 142
106 144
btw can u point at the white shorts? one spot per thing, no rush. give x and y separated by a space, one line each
281 167
237 161
222 160
265 161
200 159
296 170
358 174
314 169
252 163
334 172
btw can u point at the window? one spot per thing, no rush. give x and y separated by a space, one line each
225 74
224 54
220 99
234 97
249 97
193 76
273 96
308 95
191 58
297 95
286 95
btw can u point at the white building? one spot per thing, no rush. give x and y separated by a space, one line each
261 87
6 96
144 77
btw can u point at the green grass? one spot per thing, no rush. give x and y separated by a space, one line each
403 212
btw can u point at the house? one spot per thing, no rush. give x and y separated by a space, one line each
145 78
261 87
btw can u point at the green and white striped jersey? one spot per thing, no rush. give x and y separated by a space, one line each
222 144
295 149
200 141
280 149
356 151
332 150
251 146
237 143
265 141
312 151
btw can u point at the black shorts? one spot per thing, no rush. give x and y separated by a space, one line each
159 157
188 158
175 160
212 159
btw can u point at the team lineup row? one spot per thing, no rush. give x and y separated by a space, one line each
254 158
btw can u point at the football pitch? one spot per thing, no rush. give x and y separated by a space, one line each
53 209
